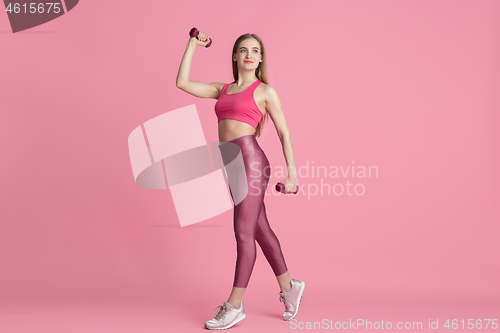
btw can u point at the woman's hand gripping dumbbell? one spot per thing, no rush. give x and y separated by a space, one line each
201 37
280 187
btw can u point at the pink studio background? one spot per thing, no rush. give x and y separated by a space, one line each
408 86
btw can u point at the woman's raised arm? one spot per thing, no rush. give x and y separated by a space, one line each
198 89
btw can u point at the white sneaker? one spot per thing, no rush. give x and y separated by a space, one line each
226 317
291 299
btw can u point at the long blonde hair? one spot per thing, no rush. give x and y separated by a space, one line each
260 72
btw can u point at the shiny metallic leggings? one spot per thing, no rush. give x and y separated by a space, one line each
250 219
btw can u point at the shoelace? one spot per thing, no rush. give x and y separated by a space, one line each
223 310
286 303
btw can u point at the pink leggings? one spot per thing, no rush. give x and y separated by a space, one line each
250 219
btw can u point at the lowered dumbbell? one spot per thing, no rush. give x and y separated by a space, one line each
280 187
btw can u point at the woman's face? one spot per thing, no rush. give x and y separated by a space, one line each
248 54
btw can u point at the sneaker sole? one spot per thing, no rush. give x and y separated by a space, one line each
298 303
232 324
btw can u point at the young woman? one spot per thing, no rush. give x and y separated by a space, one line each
241 109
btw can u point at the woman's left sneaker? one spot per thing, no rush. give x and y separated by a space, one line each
226 317
291 299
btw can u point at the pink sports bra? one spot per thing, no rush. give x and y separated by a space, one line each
240 106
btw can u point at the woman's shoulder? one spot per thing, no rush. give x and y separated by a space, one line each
266 86
268 91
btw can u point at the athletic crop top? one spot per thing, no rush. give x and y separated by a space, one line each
240 106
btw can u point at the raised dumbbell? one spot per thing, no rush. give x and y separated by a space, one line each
194 33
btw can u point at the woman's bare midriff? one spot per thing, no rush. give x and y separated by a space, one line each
230 129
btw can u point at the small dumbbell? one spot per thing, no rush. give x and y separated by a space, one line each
194 33
281 188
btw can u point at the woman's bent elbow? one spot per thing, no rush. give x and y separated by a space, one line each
181 85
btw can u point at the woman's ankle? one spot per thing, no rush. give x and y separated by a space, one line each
234 306
287 290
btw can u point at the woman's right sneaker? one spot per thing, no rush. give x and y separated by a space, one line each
292 298
226 317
